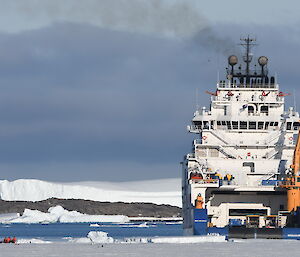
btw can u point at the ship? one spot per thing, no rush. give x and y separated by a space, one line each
237 178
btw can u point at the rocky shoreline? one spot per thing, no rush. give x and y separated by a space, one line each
94 207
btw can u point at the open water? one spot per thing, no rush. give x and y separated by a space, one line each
63 231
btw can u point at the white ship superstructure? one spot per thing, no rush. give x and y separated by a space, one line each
244 146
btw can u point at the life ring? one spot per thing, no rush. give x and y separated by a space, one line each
291 138
264 93
204 137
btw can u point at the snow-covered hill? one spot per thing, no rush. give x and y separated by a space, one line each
164 191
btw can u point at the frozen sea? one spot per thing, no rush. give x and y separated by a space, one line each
59 236
246 248
63 231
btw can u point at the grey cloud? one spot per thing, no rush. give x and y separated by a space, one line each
76 99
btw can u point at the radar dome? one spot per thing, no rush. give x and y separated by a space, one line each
232 60
263 60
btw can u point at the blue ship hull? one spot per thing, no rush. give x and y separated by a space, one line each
201 228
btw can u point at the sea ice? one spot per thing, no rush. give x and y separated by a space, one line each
99 237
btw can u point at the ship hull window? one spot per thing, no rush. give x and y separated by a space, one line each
245 212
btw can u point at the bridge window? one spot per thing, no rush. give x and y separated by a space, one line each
288 125
198 124
228 124
267 125
296 125
260 125
243 125
252 125
235 125
264 109
205 125
250 109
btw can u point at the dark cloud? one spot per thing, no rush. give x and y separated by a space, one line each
82 103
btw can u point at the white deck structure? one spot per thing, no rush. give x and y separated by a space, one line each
245 135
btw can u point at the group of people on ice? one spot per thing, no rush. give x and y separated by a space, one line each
8 240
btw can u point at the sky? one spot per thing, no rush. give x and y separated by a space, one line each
104 90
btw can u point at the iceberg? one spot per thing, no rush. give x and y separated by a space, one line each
164 191
59 214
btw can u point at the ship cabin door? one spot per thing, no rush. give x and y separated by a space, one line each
248 167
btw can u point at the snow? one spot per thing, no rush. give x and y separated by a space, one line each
164 191
188 239
59 214
32 241
7 217
246 248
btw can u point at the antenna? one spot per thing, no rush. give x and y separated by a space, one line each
197 105
248 56
295 103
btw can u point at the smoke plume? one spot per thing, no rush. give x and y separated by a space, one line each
175 18
180 19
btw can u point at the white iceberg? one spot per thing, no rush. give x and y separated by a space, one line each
99 237
164 191
59 214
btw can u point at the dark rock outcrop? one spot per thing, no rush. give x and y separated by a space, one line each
94 208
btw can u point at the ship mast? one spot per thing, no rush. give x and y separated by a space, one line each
248 76
248 56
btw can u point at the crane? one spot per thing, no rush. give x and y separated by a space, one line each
293 180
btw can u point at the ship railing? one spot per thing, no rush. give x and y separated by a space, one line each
278 99
269 155
194 128
227 152
205 181
225 84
